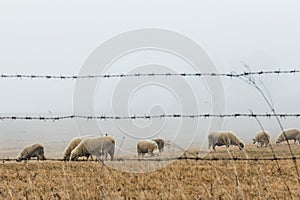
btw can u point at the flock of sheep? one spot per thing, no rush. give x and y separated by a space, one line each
262 138
102 146
89 146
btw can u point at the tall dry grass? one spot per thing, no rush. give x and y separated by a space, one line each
183 179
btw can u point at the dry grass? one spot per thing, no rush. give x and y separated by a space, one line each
184 179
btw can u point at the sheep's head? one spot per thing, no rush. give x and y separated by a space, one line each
279 139
66 158
277 142
73 157
156 152
254 141
20 157
241 146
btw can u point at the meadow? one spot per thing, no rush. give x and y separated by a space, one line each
182 179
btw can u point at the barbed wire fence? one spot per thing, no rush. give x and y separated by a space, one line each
246 76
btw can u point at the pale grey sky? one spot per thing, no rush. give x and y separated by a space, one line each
54 37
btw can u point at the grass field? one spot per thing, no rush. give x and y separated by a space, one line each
182 179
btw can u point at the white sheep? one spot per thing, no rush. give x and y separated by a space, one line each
95 146
147 146
72 145
160 143
35 150
224 138
262 138
289 134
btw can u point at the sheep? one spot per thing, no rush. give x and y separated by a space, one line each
72 145
95 146
289 134
224 138
35 150
262 138
160 143
147 146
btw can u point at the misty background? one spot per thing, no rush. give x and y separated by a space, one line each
56 38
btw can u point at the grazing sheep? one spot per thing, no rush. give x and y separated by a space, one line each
160 143
289 134
224 138
262 138
35 150
147 146
95 146
72 145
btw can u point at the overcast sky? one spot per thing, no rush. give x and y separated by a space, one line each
55 37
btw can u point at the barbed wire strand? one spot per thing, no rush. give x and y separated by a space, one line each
177 158
197 74
145 116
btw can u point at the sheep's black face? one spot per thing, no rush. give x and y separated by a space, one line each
74 158
241 146
254 141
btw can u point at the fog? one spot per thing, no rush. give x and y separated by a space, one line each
57 38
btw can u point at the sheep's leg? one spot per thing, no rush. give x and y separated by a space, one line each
258 144
111 156
39 157
140 154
